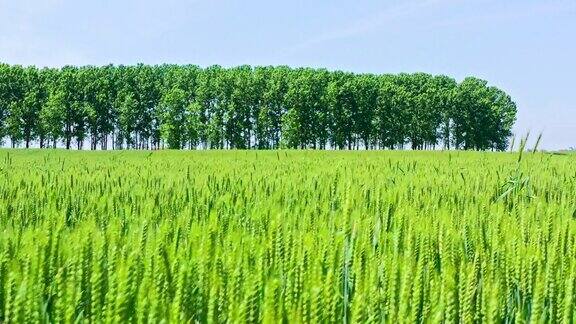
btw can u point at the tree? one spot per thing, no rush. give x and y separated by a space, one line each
342 105
390 115
443 101
15 83
173 107
304 101
147 85
503 117
31 106
44 131
366 101
127 119
5 98
98 97
194 128
209 97
52 117
273 107
291 129
483 116
423 119
74 115
144 106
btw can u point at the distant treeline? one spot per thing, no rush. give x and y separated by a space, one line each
175 106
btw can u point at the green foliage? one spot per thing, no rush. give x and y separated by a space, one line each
174 116
284 236
477 105
245 107
51 121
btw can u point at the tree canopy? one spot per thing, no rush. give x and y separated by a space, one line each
185 106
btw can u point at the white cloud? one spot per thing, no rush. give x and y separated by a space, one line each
512 13
374 22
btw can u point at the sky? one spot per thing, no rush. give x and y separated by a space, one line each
525 47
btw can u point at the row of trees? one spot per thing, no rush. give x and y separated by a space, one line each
150 107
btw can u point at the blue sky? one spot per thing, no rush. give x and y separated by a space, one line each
526 47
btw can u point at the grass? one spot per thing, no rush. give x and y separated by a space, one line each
304 236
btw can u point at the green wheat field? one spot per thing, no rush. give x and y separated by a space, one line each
287 236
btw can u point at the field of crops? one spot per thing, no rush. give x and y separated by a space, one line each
299 236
